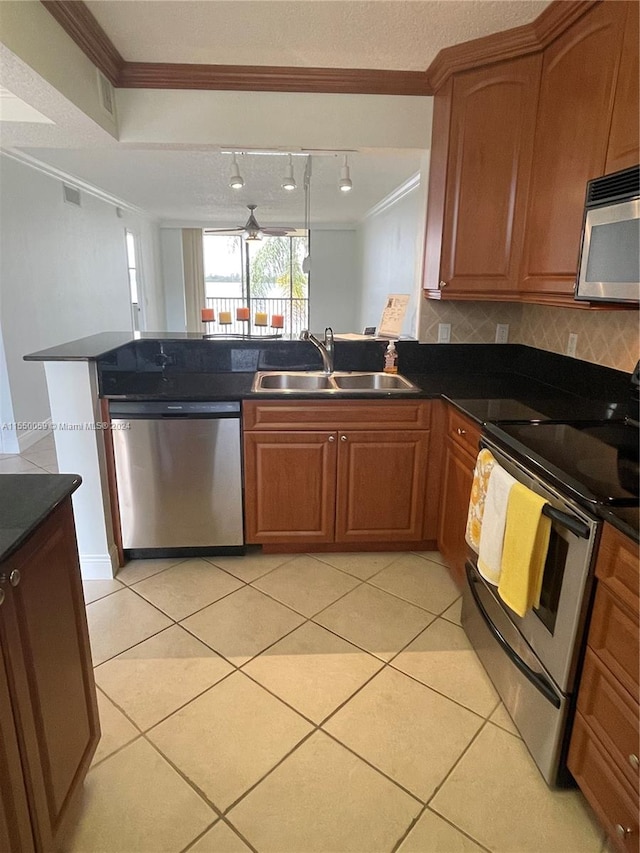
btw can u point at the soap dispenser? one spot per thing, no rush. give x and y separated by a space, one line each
391 358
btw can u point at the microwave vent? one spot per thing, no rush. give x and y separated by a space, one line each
610 188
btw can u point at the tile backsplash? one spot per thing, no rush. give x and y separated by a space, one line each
610 338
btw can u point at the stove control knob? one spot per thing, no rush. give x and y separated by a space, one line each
633 761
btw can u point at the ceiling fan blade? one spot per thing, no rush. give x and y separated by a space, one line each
237 230
277 232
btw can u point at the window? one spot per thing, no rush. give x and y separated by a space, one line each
265 275
134 280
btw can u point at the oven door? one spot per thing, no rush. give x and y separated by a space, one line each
538 707
554 629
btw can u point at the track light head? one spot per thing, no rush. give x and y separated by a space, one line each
345 177
236 181
289 182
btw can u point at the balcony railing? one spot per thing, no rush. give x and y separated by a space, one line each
294 311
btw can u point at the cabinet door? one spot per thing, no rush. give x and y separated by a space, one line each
490 148
289 486
572 130
381 486
15 825
457 480
624 145
44 630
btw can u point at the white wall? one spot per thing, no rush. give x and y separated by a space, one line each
389 242
63 275
334 281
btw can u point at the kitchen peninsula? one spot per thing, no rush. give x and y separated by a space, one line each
487 382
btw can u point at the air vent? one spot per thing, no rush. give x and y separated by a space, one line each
620 185
106 95
72 195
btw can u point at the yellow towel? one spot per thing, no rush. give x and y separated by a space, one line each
526 542
484 465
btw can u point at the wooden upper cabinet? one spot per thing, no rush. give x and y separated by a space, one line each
579 73
490 147
624 143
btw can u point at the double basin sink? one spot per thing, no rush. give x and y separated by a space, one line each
317 382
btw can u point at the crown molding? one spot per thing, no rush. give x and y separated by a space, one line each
394 197
268 78
72 180
509 44
78 22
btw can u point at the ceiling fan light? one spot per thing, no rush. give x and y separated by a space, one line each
345 177
289 182
236 181
253 235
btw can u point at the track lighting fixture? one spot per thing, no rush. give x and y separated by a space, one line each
236 181
345 177
289 182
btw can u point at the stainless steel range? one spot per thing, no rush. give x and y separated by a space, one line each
533 661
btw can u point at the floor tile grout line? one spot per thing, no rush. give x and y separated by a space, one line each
200 836
413 603
182 618
153 574
427 803
184 777
226 822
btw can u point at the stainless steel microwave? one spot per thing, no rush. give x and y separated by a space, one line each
609 264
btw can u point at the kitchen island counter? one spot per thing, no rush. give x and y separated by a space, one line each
25 501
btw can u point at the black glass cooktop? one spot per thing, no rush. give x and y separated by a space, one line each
561 409
597 463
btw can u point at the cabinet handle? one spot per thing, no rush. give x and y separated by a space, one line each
461 431
1 596
633 761
13 577
443 284
332 438
622 831
343 438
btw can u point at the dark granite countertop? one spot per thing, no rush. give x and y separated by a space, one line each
25 501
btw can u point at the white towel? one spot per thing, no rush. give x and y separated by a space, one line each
493 524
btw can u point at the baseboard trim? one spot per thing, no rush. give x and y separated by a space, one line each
98 567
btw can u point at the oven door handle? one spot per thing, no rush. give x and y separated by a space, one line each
563 518
538 681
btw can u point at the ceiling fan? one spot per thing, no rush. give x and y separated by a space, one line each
252 230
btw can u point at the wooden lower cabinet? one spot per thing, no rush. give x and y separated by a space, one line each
290 486
349 484
604 748
47 691
460 451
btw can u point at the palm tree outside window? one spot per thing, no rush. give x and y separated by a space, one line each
265 275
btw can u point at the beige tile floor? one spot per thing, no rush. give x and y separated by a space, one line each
294 704
291 704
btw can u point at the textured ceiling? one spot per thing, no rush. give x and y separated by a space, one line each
391 34
192 186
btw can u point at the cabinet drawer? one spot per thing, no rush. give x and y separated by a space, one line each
607 792
612 715
613 636
332 414
463 431
617 566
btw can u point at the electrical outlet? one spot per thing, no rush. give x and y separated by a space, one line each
573 343
502 333
444 333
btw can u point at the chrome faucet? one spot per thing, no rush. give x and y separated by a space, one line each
325 348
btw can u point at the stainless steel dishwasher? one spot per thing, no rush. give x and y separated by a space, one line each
179 477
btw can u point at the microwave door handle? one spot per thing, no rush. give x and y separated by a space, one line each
538 681
565 520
